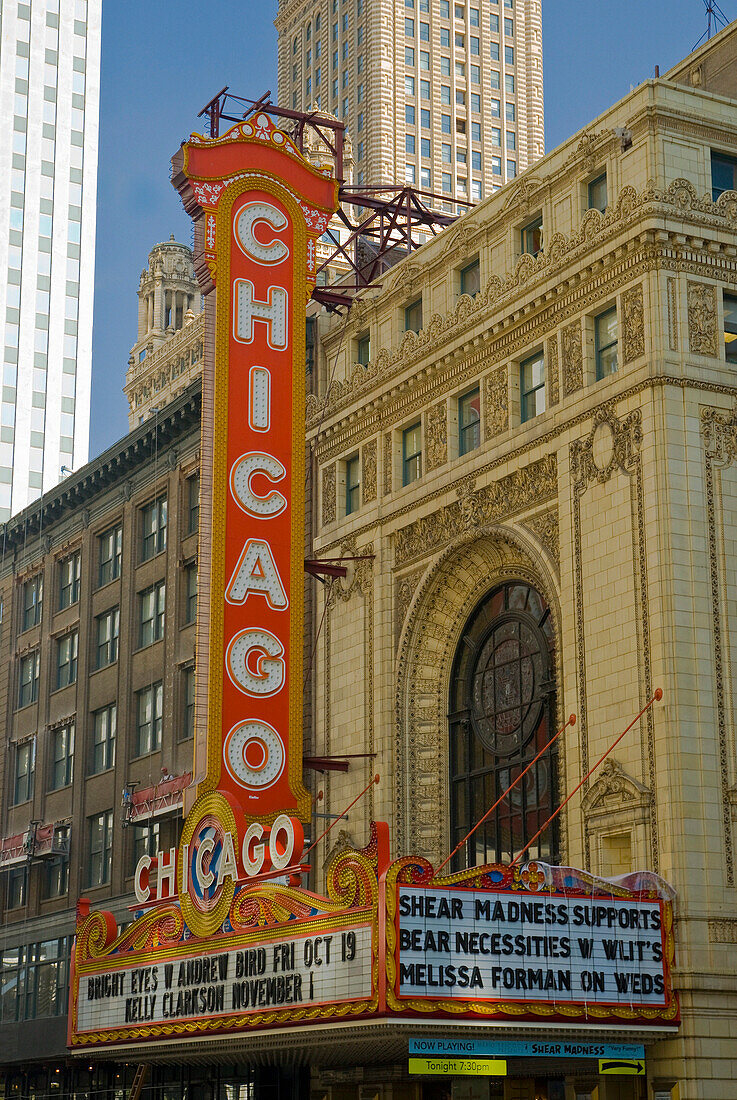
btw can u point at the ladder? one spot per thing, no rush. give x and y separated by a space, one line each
138 1082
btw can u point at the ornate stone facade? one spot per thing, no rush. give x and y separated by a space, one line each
167 354
616 501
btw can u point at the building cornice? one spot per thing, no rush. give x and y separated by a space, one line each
118 462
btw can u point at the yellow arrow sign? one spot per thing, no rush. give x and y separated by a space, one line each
632 1066
459 1067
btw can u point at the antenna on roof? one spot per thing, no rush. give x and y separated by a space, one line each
714 17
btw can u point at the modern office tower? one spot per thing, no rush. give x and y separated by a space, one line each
49 103
444 95
167 354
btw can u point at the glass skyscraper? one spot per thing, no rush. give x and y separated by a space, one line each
49 106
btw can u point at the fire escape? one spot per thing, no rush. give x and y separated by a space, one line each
374 228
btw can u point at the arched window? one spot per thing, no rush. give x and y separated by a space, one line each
502 712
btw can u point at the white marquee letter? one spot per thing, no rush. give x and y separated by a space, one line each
253 854
259 398
228 867
167 868
247 218
246 467
255 662
143 893
247 309
256 573
286 834
204 878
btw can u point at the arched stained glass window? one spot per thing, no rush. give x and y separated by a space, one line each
502 712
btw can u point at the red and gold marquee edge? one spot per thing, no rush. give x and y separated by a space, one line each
363 892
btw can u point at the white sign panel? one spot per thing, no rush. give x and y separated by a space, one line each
306 970
481 945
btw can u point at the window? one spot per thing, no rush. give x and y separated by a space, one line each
425 148
425 94
445 99
28 674
363 348
471 278
460 41
61 756
446 182
108 631
413 316
469 421
409 28
475 103
153 607
409 143
509 28
445 37
409 56
723 174
32 600
605 342
445 9
445 124
153 528
509 55
473 17
509 112
110 545
597 193
460 97
190 592
509 83
409 114
409 87
495 108
70 572
476 79
532 387
24 769
494 23
424 60
409 173
193 503
532 237
424 32
145 841
511 169
445 66
446 153
425 178
475 131
16 895
66 659
352 485
188 683
475 46
730 328
55 878
496 166
149 718
104 728
476 160
411 453
501 714
99 848
494 82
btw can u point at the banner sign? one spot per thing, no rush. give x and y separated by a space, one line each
264 207
518 1048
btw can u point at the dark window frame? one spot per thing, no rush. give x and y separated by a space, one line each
352 485
469 427
411 460
109 568
528 393
413 315
154 515
600 348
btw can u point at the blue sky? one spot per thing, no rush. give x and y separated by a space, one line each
162 61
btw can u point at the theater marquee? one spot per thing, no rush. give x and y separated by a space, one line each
218 945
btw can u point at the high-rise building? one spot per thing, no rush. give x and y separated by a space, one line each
49 101
444 95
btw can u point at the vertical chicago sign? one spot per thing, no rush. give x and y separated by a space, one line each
259 208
